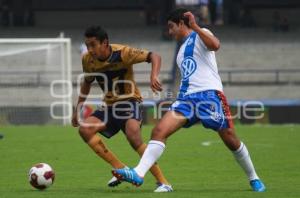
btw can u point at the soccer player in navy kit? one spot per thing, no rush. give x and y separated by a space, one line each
111 65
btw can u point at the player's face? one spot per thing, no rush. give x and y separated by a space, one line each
175 30
96 48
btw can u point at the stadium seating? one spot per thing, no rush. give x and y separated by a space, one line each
241 49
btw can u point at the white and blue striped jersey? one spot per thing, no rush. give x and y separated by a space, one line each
198 66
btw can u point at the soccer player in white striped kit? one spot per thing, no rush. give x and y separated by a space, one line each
200 98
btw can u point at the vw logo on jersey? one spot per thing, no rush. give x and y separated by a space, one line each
188 67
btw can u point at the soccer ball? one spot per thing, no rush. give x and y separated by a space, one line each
41 176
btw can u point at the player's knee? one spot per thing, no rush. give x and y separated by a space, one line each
230 139
133 135
135 142
158 133
86 133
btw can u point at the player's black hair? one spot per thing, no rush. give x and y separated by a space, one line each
177 15
96 31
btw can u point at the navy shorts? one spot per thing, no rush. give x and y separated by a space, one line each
208 107
116 116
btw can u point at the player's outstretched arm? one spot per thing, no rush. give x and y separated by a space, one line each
154 80
212 43
84 91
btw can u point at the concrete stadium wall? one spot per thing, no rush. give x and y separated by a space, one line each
240 49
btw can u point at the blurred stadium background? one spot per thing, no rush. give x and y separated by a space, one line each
258 59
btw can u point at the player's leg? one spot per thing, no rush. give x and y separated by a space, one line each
169 124
214 113
240 152
133 134
242 156
88 132
230 139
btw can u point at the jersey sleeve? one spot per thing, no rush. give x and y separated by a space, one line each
85 67
208 31
133 55
201 42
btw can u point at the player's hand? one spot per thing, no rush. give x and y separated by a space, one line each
155 84
75 119
192 20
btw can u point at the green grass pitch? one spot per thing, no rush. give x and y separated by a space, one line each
196 163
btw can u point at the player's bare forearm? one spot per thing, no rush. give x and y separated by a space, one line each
212 43
84 91
156 63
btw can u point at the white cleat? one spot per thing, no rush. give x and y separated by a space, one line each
113 182
163 188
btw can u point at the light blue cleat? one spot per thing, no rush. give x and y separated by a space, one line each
257 185
128 175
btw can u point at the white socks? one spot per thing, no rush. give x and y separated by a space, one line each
152 153
243 158
155 149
